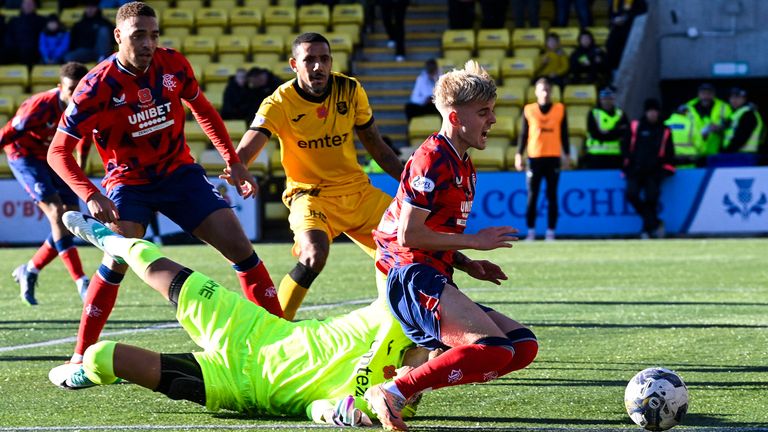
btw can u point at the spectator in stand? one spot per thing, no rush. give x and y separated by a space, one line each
526 7
2 36
607 129
91 37
583 12
647 160
23 35
421 97
393 15
587 65
261 84
461 14
622 15
710 115
54 41
745 129
236 104
553 61
494 13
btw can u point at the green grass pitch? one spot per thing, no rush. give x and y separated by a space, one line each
602 311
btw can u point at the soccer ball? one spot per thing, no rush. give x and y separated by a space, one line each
656 399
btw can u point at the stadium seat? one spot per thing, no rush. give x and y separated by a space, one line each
521 82
14 74
216 87
159 5
314 14
179 32
490 159
10 13
69 16
458 44
211 20
518 67
352 29
509 155
504 127
5 169
219 72
199 45
268 44
511 111
37 88
169 42
498 141
491 65
279 19
233 48
257 4
448 64
198 62
493 43
224 4
196 148
341 62
580 94
191 5
600 34
236 129
283 71
577 120
510 96
245 21
340 42
13 89
7 105
350 13
216 99
569 36
419 128
530 96
176 17
533 53
193 131
528 38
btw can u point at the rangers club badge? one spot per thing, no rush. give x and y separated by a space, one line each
341 107
145 95
169 82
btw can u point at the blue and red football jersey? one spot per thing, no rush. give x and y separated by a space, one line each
29 132
137 121
437 179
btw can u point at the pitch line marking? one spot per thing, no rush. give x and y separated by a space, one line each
278 426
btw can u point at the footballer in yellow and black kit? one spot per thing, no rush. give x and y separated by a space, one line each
326 189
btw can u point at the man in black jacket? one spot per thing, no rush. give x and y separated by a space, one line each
22 35
648 159
91 39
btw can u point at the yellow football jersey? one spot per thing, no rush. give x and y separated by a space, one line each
317 143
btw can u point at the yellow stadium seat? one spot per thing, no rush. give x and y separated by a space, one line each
528 37
212 16
193 131
110 14
340 42
44 12
235 128
517 67
245 18
448 64
580 94
314 14
533 53
5 169
216 99
178 17
577 120
45 74
283 71
530 96
159 5
352 29
600 34
509 154
268 43
216 86
280 15
178 32
37 88
198 62
210 31
218 72
511 111
191 5
196 148
569 36
169 42
521 82
491 66
504 127
489 159
492 43
199 45
224 4
499 141
14 74
7 105
510 96
352 13
268 60
233 44
458 42
69 16
257 4
13 89
313 28
10 13
419 128
341 62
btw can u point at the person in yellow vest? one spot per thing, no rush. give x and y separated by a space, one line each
544 134
710 115
745 128
607 127
680 124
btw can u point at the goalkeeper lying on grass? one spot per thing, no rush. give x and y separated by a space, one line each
252 362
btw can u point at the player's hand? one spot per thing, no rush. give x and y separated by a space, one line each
519 162
102 208
495 237
345 414
485 270
238 176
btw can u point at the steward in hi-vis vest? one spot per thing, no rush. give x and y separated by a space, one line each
710 115
607 127
680 125
745 128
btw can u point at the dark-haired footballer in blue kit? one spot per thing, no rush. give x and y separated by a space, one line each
25 139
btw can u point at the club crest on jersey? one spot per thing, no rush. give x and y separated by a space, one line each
145 95
422 184
169 82
322 112
341 107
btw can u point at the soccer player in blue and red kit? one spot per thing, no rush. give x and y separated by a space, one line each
26 138
132 104
418 240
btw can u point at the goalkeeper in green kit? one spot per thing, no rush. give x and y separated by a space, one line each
252 362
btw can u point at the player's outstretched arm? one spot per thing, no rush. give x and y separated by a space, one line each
479 269
380 151
251 144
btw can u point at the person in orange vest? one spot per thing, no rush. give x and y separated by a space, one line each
544 134
648 159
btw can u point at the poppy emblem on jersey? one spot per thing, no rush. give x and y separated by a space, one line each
389 371
341 107
169 82
322 112
145 95
422 184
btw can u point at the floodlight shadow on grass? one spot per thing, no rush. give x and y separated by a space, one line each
482 421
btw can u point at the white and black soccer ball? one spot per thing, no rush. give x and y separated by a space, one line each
656 399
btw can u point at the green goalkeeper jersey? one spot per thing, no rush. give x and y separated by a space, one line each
258 363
